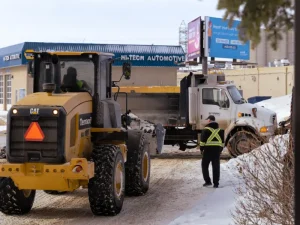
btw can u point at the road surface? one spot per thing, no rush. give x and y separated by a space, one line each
176 186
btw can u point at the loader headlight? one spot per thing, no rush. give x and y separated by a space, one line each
55 111
15 111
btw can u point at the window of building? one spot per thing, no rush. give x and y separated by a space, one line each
1 89
8 89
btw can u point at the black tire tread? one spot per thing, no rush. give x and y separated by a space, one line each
100 188
134 185
12 200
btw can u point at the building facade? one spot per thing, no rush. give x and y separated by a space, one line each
263 54
152 65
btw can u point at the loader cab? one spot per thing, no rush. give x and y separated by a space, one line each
73 72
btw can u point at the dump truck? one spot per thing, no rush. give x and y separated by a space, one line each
182 112
68 134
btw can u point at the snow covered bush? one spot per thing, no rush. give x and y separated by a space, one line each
266 195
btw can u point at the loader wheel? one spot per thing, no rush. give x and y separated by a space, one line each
55 192
243 142
138 164
106 188
14 201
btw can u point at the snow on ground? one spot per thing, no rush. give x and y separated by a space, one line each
216 208
280 105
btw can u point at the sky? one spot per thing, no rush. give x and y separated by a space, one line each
99 21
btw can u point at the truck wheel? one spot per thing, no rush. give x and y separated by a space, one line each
106 188
243 142
138 164
14 201
55 192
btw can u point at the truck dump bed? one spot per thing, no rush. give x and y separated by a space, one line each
154 104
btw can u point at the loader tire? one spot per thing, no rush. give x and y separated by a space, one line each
55 192
137 166
243 142
14 201
106 189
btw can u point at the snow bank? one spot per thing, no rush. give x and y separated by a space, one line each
280 105
276 145
217 207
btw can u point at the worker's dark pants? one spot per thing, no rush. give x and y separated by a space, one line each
211 154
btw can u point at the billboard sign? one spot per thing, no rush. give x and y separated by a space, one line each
223 42
194 39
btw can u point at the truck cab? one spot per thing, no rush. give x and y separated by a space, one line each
212 95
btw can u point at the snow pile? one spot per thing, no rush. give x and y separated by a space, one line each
276 145
217 207
139 124
280 105
3 153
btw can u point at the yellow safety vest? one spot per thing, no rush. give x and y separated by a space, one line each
214 134
79 83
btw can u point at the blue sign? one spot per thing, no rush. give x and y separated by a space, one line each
224 42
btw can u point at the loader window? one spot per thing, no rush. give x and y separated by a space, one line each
76 74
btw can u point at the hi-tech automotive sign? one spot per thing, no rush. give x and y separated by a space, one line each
165 60
223 42
161 58
194 37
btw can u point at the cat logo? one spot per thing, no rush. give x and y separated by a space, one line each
34 111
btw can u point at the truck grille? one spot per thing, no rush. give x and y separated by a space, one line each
273 119
48 148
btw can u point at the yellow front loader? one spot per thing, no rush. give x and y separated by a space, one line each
68 134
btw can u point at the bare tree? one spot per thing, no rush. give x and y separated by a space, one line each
267 192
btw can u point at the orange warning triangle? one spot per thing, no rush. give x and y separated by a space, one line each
34 133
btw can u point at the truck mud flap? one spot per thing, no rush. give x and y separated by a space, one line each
160 136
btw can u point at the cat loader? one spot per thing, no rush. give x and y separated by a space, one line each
68 134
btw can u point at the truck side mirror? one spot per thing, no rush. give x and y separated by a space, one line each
126 70
30 68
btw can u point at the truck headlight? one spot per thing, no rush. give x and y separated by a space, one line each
265 129
15 111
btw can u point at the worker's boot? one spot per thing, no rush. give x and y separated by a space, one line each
207 184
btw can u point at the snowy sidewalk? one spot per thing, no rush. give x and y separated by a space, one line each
216 207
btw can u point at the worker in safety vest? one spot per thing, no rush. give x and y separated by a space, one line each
211 145
72 83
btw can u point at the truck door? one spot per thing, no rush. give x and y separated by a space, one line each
210 104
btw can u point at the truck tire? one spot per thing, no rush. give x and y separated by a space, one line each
55 192
14 201
243 142
137 166
106 189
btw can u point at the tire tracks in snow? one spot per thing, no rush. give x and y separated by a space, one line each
175 186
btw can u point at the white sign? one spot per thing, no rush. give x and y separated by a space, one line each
11 57
154 58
